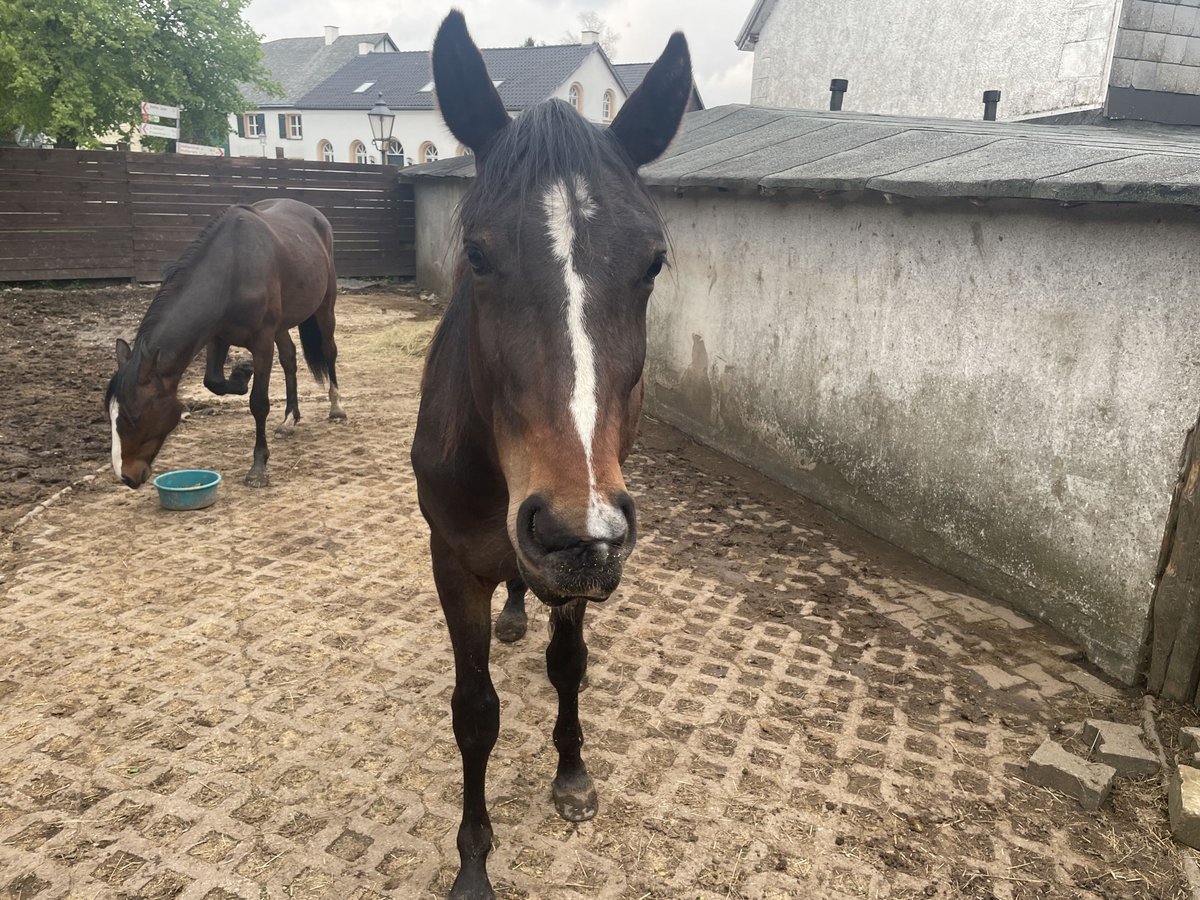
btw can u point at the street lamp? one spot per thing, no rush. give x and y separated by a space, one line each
382 120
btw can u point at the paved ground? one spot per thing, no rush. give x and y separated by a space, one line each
252 701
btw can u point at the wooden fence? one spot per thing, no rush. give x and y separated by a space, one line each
73 214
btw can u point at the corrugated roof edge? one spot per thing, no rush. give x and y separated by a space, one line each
757 150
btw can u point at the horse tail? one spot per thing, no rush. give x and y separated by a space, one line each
310 340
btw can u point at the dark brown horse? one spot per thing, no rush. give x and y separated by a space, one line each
533 390
252 274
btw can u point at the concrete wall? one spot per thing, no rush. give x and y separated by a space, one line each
937 57
1002 390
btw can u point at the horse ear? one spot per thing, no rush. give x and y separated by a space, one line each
146 372
124 351
649 119
465 94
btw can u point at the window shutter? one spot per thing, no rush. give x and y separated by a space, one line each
282 125
241 125
262 124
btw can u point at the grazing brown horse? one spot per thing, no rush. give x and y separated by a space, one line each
253 273
533 390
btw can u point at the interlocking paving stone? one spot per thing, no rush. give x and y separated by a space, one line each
252 700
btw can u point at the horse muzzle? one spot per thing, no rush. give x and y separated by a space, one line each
134 475
559 564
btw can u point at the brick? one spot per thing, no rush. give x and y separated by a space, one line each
1090 683
996 677
1047 685
1190 739
1053 767
1120 746
1183 804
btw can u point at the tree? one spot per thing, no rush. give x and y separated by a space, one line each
591 21
77 69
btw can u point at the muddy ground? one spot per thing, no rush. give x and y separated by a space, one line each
252 701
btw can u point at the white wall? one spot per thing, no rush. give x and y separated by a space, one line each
937 57
341 127
595 77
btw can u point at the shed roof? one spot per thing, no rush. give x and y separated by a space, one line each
527 75
756 149
300 64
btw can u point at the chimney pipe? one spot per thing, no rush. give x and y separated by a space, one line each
590 37
991 99
331 34
837 90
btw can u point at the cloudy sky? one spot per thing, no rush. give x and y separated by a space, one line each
722 71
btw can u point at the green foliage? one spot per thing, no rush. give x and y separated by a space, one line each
77 69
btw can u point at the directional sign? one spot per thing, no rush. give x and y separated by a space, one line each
157 109
165 131
198 149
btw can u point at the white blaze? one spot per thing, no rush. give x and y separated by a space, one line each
603 521
116 440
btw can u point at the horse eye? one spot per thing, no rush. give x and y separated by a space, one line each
477 260
656 267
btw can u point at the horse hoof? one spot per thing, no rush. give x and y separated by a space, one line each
471 887
511 626
337 415
257 480
575 799
285 431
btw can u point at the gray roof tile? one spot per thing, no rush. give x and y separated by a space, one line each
527 75
300 64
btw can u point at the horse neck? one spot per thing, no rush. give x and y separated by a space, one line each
182 326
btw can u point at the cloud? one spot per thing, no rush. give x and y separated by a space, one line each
722 71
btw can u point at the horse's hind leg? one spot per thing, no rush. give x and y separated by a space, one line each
566 663
260 405
287 359
466 603
326 321
512 622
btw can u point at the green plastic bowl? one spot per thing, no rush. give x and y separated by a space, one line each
187 488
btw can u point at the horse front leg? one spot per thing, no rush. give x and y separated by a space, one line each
466 603
566 664
260 406
238 381
287 360
512 622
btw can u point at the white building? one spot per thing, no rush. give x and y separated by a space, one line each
328 119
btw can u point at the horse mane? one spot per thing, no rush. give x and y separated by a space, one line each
174 273
548 142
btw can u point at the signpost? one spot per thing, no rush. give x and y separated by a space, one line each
198 149
153 114
149 129
157 109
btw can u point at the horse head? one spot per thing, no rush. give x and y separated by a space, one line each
142 409
561 244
